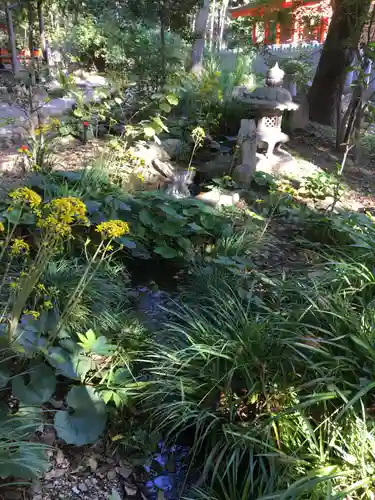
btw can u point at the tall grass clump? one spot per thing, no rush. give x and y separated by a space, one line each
274 387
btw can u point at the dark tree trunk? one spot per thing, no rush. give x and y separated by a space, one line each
342 40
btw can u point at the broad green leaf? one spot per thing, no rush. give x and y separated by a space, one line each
145 217
72 365
190 211
166 252
172 99
27 219
171 229
164 106
185 243
107 396
196 228
78 113
40 388
92 206
167 209
86 419
4 377
13 215
207 221
127 242
159 123
149 131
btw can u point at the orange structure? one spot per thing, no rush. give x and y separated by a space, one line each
292 21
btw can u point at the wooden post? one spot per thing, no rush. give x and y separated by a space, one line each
266 31
295 31
278 34
254 33
323 29
12 39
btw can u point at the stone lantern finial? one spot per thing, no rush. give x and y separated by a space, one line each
275 76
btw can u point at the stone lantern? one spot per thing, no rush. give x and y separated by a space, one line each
266 106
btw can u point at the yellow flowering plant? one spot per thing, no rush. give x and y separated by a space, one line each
25 196
55 219
108 230
19 247
112 229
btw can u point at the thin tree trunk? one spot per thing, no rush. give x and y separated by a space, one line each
212 24
12 39
223 15
42 32
163 60
31 43
200 34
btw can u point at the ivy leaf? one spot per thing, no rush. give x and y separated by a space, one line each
172 99
86 419
164 106
40 389
166 252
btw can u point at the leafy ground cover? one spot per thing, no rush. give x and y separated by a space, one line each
262 368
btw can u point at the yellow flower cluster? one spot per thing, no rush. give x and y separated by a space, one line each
112 229
2 227
27 196
62 213
19 247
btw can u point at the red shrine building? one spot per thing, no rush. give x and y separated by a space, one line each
292 21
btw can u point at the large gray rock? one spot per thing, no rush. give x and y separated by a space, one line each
172 147
219 166
152 163
284 165
219 198
148 152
